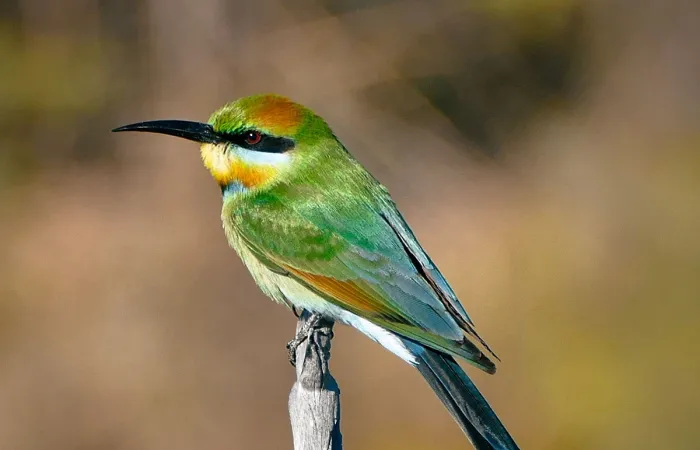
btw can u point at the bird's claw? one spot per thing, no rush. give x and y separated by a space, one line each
292 349
306 332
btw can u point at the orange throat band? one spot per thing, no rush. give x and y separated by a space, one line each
227 168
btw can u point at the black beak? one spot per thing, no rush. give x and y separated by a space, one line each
193 131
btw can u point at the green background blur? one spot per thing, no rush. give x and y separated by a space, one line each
546 153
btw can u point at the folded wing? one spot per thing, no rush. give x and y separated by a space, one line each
363 258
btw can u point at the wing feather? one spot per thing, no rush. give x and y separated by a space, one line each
362 257
427 269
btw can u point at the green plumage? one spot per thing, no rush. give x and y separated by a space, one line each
329 217
317 231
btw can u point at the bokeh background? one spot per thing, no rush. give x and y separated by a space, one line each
546 153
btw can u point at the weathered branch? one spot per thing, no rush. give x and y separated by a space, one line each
314 402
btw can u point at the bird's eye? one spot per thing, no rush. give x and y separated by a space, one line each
252 137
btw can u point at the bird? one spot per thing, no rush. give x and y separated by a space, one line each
318 232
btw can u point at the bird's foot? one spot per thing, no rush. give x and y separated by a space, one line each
306 332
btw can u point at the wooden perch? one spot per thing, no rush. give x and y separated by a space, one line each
314 402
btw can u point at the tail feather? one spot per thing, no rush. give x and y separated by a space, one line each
463 400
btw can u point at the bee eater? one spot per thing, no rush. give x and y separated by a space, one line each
318 232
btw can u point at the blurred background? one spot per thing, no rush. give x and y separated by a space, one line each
546 153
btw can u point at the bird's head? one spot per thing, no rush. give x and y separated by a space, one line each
252 141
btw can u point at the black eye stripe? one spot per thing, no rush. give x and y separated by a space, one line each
267 143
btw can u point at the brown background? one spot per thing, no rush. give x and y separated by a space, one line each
545 152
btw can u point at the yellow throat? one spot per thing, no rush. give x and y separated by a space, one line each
236 165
